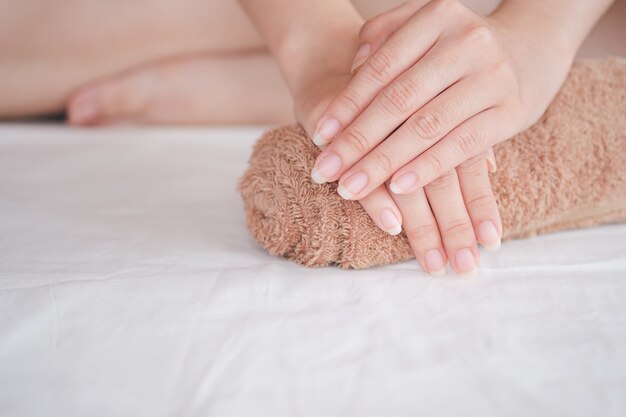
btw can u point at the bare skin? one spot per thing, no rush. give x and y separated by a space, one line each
45 63
57 52
204 62
427 66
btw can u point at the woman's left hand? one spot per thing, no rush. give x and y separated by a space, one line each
435 85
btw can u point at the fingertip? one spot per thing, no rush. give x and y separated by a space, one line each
345 194
393 187
471 274
404 183
395 231
435 263
317 177
489 236
390 221
466 263
493 248
317 140
327 129
438 273
83 109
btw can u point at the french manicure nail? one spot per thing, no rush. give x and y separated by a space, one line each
326 131
327 167
390 222
353 185
404 183
361 55
489 236
466 263
316 177
434 262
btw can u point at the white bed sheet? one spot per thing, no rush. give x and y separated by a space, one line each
129 286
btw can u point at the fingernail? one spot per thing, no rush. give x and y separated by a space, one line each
390 222
361 55
84 110
404 183
326 131
466 263
434 262
491 161
350 187
327 167
489 236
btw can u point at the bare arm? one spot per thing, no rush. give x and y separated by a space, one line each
568 22
305 34
543 37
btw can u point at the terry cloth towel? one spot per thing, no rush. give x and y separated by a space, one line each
566 171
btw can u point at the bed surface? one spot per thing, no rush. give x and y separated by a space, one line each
129 286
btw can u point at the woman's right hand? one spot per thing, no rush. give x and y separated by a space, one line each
441 220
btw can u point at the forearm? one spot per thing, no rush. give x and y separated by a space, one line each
566 22
301 34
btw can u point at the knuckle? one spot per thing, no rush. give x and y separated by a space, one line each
350 101
443 182
399 97
457 228
480 200
384 162
427 125
478 33
435 165
467 142
501 67
356 140
502 70
380 66
418 232
475 165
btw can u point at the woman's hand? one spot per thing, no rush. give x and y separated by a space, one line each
437 85
442 220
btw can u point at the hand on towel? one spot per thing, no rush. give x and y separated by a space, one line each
558 174
434 85
443 220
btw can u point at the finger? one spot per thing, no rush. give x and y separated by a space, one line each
469 139
433 121
441 67
422 232
446 201
403 49
120 97
480 201
383 210
378 29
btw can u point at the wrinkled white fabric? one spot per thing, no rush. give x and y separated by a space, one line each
129 287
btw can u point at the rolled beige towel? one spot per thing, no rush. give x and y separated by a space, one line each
566 171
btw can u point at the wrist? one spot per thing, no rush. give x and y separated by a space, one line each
309 55
538 29
540 53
